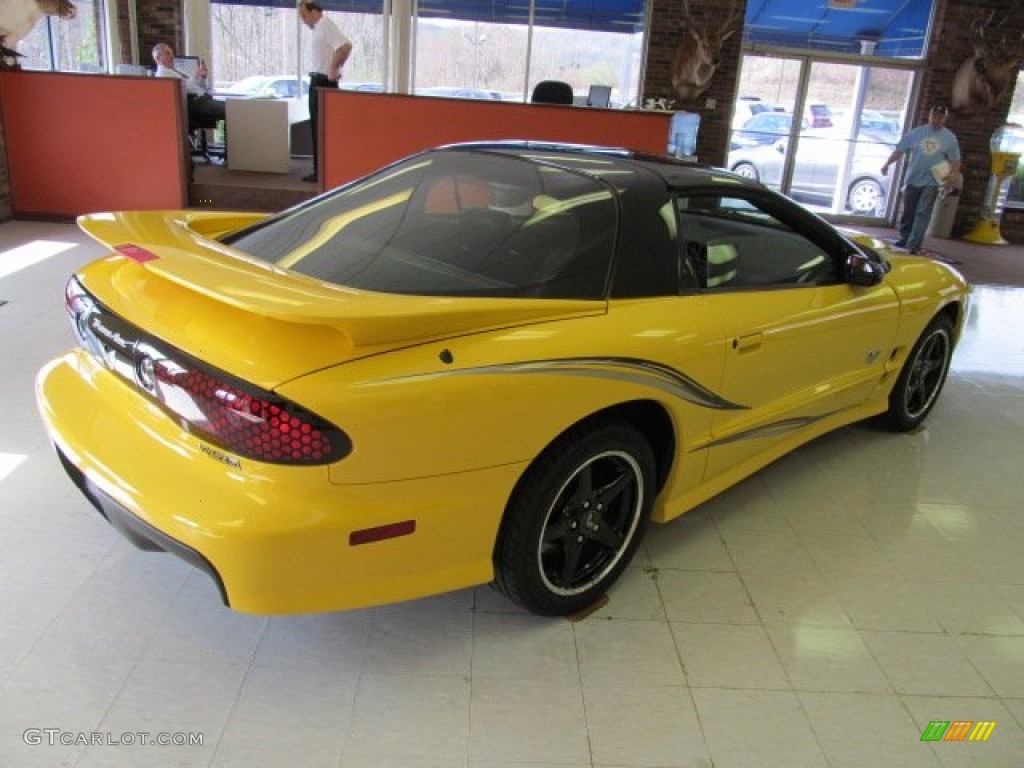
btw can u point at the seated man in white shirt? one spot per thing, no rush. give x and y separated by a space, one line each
204 111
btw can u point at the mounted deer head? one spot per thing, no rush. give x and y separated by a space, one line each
984 77
697 56
18 17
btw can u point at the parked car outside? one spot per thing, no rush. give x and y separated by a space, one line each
762 128
486 362
745 108
881 127
816 170
460 93
266 87
371 87
819 116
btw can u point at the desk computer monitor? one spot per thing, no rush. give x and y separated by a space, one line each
187 65
600 96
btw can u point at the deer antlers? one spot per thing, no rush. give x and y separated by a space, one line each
984 77
697 55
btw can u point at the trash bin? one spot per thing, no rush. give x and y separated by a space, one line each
944 212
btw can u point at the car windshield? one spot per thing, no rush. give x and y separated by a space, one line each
452 223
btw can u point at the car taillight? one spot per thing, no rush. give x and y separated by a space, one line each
238 417
209 403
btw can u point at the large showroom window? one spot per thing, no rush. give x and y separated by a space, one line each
468 49
502 50
74 45
263 40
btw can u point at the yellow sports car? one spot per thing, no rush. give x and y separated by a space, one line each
484 363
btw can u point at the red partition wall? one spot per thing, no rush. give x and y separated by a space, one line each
85 143
364 131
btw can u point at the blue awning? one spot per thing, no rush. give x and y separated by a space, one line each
898 27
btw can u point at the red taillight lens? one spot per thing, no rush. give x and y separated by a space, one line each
240 418
214 405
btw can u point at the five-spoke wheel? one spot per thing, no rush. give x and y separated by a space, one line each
922 377
576 518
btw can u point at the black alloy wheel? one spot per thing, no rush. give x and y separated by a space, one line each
576 519
922 377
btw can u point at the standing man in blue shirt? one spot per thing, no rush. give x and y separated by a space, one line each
328 51
934 162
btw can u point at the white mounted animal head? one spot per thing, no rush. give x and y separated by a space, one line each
985 76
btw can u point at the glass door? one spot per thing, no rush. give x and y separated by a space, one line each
843 119
762 129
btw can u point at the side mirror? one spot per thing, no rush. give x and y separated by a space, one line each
860 270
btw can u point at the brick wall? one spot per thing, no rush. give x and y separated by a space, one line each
950 46
667 26
159 22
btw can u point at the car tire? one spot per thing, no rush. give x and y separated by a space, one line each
747 171
923 375
866 197
575 519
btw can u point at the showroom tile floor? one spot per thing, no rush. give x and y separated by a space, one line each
823 613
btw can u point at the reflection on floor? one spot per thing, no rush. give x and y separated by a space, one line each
823 613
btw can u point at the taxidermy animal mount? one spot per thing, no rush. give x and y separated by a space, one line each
984 77
697 56
18 17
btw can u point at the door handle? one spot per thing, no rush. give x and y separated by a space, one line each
747 343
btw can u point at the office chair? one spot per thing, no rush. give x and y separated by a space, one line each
552 92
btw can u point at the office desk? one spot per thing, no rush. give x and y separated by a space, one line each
259 133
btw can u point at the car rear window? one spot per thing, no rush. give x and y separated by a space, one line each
452 223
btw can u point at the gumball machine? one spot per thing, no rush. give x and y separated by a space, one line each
1007 143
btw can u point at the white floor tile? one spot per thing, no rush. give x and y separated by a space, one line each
1000 660
528 721
624 653
729 656
310 708
523 647
757 729
925 664
865 729
644 725
401 716
827 659
705 596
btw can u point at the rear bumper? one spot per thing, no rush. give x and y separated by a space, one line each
276 539
137 531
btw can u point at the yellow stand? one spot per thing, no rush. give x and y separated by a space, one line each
986 231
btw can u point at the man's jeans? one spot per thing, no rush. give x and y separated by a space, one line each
917 213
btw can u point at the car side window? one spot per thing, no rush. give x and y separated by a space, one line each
734 243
